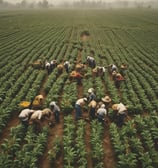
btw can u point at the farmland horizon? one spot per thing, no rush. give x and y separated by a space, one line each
79 4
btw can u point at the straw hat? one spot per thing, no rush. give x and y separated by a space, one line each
114 106
106 99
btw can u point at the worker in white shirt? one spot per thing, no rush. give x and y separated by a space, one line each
56 110
101 113
25 115
78 107
37 115
121 110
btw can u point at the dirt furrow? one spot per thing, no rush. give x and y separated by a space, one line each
109 159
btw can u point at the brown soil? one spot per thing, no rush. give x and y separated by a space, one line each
88 146
14 121
42 92
109 159
57 130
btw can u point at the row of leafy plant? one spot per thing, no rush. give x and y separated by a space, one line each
15 151
135 144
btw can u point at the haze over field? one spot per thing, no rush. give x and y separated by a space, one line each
79 3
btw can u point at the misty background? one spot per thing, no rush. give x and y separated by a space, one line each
99 4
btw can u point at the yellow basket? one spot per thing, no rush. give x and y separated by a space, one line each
24 104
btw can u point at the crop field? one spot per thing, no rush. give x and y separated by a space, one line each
115 36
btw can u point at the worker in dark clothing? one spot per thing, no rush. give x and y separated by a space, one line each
91 95
118 79
47 66
123 69
92 109
53 64
67 66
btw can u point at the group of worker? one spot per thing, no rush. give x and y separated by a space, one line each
118 74
100 109
95 109
29 116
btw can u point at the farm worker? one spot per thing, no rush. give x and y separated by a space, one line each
55 109
101 71
79 67
47 66
101 113
76 75
92 108
107 101
39 98
95 71
114 75
47 114
78 105
113 67
118 80
91 61
37 115
91 95
35 119
25 115
123 69
53 64
121 110
67 66
60 68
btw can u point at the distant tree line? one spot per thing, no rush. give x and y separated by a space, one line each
81 4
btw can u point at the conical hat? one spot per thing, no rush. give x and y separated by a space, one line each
106 99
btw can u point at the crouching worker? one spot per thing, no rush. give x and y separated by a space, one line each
78 107
60 68
25 115
92 108
55 109
35 120
118 79
47 115
101 113
76 76
38 102
121 111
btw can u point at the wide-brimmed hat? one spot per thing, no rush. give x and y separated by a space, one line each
106 99
114 106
